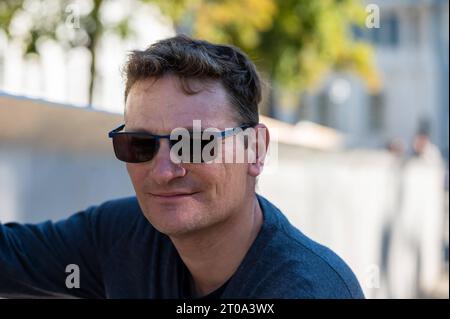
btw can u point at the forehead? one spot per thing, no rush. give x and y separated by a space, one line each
160 105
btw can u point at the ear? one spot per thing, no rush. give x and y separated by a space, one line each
260 145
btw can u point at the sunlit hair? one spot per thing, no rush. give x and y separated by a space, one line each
188 59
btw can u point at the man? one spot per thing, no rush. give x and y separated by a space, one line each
194 229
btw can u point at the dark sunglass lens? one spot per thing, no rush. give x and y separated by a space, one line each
134 148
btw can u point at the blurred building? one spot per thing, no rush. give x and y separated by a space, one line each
412 51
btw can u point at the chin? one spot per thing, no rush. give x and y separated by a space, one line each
175 220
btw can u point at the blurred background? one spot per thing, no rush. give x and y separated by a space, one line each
356 98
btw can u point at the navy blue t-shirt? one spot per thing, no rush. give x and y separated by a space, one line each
121 255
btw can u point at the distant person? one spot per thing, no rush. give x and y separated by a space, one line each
423 148
396 146
196 229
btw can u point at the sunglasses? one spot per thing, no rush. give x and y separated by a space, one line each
140 147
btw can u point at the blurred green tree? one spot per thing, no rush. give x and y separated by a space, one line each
60 20
294 42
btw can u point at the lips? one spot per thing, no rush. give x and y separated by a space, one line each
172 195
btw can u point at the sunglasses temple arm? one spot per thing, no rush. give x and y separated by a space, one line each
117 129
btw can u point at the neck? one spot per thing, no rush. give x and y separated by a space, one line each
213 255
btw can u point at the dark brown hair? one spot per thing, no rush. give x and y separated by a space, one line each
189 58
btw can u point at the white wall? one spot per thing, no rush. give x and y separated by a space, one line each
383 218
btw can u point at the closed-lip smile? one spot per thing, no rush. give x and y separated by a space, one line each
172 195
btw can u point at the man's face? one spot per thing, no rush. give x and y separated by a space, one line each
179 199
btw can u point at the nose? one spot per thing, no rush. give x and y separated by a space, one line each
163 170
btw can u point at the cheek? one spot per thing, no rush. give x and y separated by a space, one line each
211 177
239 176
231 181
137 174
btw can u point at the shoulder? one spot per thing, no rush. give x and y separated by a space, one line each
120 207
119 212
116 219
306 269
303 268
